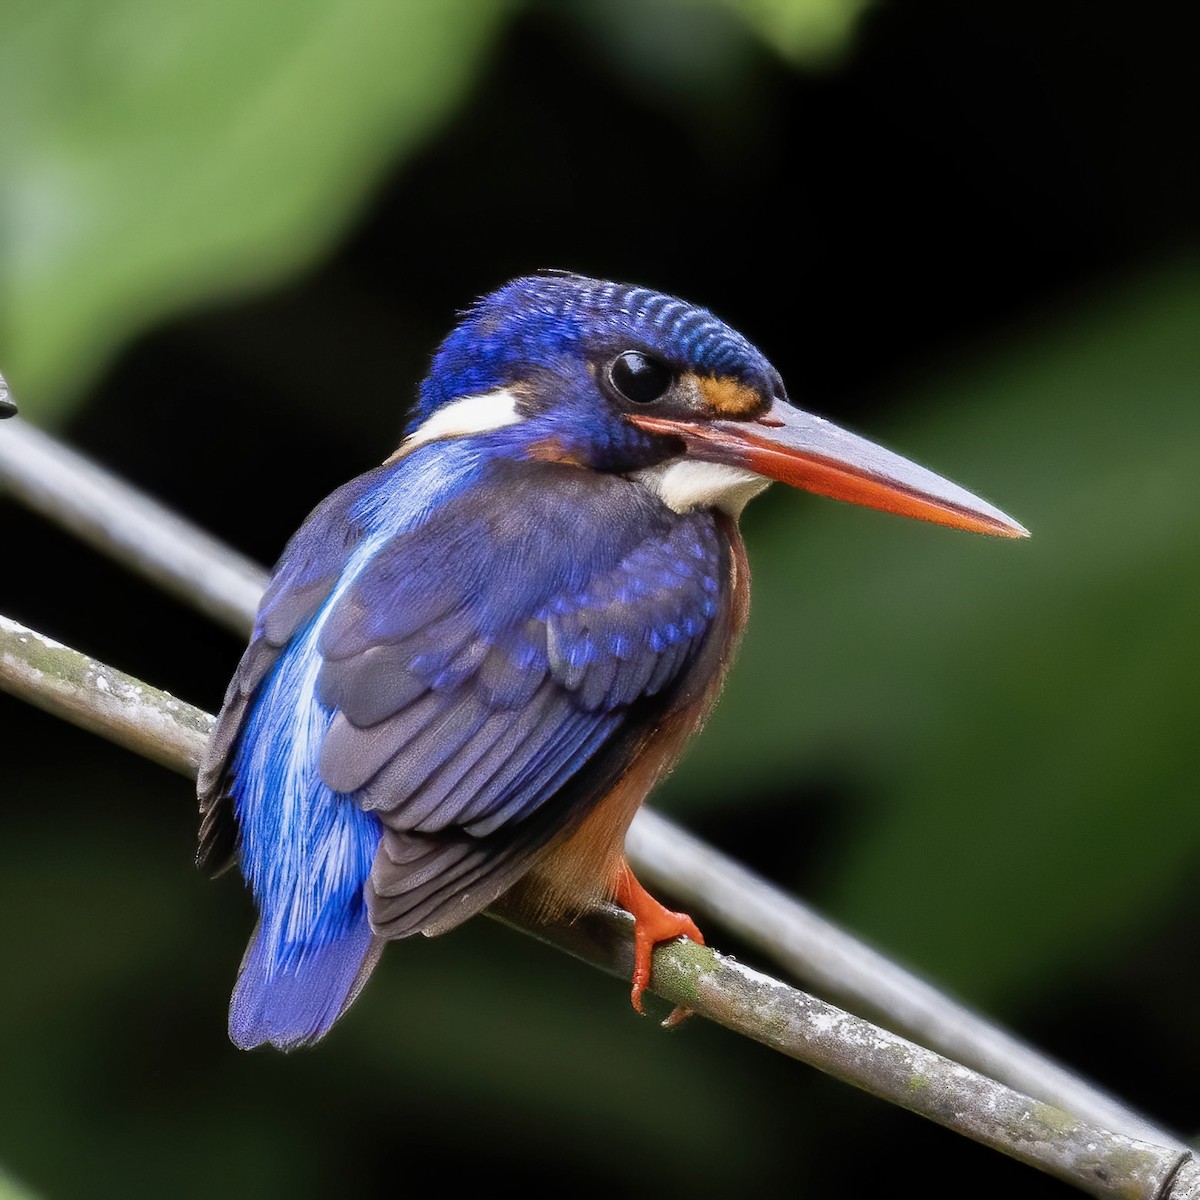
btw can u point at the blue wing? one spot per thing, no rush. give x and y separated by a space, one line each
445 646
529 628
310 565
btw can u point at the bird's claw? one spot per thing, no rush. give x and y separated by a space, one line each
660 925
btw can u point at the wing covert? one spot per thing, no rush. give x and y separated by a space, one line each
307 570
461 705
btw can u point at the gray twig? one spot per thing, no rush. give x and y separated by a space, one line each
140 533
1100 1162
825 957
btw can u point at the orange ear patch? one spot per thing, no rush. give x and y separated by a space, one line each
729 397
552 449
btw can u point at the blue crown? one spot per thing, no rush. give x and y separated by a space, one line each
530 324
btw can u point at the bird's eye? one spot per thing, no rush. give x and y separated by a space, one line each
638 377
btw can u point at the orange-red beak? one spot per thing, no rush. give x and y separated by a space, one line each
805 451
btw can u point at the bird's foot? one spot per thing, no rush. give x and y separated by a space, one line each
653 923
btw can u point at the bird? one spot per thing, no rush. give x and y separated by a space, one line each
473 662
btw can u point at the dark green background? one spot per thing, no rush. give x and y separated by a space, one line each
970 234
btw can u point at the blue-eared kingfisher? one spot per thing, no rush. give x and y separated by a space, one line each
473 662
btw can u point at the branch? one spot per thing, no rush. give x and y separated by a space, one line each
1102 1163
823 956
106 512
101 699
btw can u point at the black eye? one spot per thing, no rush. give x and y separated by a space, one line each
640 378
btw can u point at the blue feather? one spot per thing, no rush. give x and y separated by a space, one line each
306 850
297 1005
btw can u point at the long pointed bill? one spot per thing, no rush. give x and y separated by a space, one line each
797 448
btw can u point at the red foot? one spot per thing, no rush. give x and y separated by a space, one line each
652 924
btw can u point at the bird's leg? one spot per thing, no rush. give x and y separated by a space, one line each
653 923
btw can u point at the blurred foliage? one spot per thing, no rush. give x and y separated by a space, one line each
9 1189
152 157
811 34
1026 708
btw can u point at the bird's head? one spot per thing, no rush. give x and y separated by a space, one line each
623 379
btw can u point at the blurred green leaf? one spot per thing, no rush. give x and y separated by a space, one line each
10 1190
1021 716
809 32
700 59
154 155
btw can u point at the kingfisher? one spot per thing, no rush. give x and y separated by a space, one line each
474 662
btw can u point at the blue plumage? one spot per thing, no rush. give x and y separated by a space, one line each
306 850
546 329
477 633
473 662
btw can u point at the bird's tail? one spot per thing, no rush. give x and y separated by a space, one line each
297 1004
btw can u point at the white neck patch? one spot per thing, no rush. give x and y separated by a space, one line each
471 414
684 484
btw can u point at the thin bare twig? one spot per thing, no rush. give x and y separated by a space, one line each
101 699
158 544
106 512
1100 1162
825 957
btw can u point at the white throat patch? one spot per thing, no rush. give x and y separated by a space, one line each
471 414
685 483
